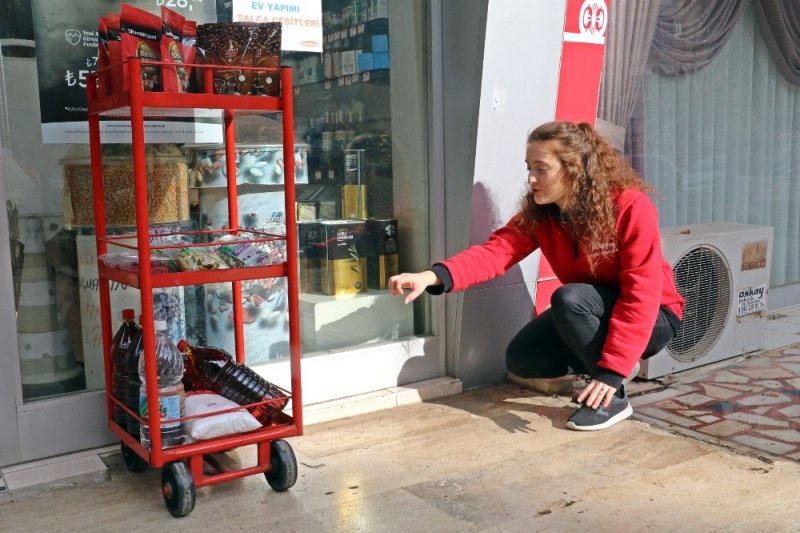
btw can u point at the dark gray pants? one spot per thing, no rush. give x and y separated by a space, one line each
569 336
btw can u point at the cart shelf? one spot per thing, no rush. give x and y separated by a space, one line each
174 104
175 279
182 465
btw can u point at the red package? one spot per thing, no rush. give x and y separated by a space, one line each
103 75
175 77
114 51
141 37
188 44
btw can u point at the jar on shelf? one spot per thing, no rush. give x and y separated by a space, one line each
167 185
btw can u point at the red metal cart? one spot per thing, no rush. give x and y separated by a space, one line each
182 466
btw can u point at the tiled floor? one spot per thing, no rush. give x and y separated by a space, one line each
752 402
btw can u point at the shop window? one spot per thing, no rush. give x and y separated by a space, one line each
361 175
706 103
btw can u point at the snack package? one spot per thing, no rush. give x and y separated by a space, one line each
199 258
225 44
175 78
188 43
244 254
114 51
265 51
104 76
141 37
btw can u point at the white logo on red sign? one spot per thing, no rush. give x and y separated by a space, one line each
593 18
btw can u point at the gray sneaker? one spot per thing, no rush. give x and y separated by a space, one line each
588 419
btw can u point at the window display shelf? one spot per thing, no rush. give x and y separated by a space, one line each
376 25
370 77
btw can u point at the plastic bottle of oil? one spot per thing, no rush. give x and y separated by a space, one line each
169 368
216 370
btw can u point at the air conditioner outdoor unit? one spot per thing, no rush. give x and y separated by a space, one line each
722 271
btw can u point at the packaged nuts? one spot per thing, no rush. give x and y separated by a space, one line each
236 44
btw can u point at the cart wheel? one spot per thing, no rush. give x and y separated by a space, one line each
132 460
178 488
283 474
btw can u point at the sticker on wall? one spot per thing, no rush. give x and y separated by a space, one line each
751 300
754 255
593 19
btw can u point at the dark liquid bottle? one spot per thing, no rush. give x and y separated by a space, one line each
169 389
119 350
216 370
132 381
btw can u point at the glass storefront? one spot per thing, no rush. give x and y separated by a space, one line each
361 170
707 116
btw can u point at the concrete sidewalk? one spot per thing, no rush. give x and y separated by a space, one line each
492 459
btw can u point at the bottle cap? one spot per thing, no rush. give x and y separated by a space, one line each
128 314
183 345
161 325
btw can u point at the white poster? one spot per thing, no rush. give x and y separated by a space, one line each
66 52
301 21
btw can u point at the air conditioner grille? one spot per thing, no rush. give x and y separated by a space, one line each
704 280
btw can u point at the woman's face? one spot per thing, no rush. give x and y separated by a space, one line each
546 176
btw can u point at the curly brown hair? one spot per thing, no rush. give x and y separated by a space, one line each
595 174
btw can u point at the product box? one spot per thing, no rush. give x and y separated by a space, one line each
364 62
380 60
343 263
337 64
308 256
377 9
327 65
307 210
380 43
354 189
382 252
348 62
327 197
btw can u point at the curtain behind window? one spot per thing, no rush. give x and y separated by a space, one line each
723 144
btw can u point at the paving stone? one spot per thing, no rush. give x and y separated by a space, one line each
729 377
666 416
726 428
785 435
770 384
794 368
755 420
793 411
719 392
771 446
764 399
694 399
766 373
655 397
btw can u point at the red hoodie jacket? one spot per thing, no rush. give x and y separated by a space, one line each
634 265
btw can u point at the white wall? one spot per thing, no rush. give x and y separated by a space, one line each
516 81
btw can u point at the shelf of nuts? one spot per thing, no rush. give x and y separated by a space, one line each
167 185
